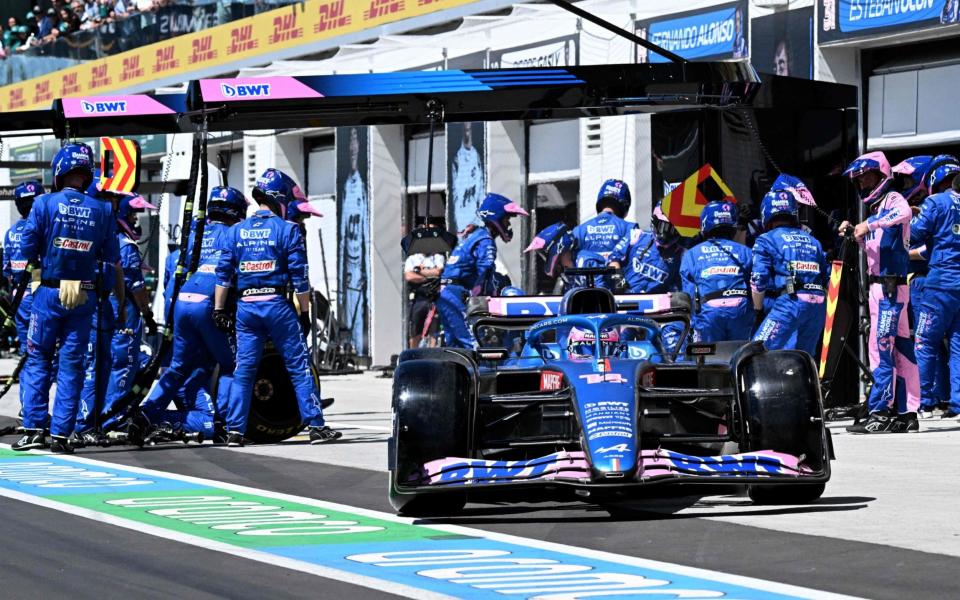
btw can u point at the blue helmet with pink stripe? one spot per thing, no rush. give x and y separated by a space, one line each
943 169
912 175
497 211
778 203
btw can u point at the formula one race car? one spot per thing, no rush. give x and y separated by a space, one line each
583 393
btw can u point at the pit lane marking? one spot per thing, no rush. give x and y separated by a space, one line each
415 562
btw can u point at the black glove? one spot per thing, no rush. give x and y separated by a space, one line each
223 320
151 324
305 322
757 319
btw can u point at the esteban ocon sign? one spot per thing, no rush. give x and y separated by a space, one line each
847 19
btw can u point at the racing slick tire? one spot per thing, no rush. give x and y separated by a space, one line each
432 403
784 413
274 413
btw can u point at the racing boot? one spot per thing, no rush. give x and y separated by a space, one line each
236 439
905 423
949 414
138 427
91 437
878 422
60 444
323 434
32 439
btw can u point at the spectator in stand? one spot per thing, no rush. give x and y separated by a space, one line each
32 26
48 23
71 20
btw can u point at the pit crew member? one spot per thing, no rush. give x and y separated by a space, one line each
260 256
14 265
607 234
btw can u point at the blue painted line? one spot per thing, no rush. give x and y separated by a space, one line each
52 476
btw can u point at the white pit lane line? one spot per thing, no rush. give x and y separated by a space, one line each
368 581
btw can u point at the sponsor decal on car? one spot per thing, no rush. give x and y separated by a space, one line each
551 381
592 378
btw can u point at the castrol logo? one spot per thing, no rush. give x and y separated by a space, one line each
257 266
72 244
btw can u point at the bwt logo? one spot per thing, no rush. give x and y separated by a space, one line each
255 234
102 108
258 90
82 212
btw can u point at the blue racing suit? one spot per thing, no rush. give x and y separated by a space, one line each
939 313
468 272
785 258
715 273
939 390
14 267
651 268
93 396
127 335
197 344
606 234
169 269
67 231
261 255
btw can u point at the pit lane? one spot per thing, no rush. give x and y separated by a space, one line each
882 529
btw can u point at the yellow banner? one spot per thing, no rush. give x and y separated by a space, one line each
260 35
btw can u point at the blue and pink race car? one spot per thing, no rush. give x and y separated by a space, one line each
602 395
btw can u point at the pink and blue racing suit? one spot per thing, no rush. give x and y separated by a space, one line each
939 312
895 376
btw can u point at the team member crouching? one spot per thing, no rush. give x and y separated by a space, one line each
715 274
197 343
607 234
470 268
68 232
260 256
788 263
554 244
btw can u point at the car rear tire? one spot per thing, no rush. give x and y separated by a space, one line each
784 414
432 404
274 412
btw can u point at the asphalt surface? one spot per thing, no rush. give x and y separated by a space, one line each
883 529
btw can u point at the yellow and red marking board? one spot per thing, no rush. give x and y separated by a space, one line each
119 165
833 295
683 205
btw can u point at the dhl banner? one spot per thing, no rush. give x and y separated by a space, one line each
259 35
683 205
833 295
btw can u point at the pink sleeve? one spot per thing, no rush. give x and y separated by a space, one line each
897 213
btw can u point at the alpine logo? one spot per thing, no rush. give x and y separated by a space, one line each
551 381
257 266
82 212
103 108
72 244
254 90
254 234
621 448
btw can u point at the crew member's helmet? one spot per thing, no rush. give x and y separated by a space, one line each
614 194
550 243
588 259
583 343
511 291
663 229
497 211
718 216
276 189
778 203
872 161
943 169
127 209
70 158
912 175
227 203
24 195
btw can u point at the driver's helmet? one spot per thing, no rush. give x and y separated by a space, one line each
582 343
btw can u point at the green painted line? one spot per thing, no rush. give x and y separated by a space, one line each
247 520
